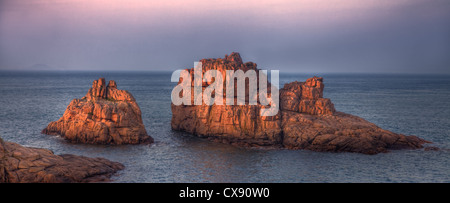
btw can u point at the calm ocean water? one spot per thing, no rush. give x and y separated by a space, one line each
407 104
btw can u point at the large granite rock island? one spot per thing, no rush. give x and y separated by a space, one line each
305 119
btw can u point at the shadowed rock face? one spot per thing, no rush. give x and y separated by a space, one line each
106 115
20 164
306 120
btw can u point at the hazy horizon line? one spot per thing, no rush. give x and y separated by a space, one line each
170 71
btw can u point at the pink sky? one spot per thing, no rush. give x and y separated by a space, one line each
92 13
145 33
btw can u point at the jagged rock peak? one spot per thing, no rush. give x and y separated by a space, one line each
234 57
100 90
232 61
306 97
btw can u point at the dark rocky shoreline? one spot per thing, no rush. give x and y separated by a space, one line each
19 164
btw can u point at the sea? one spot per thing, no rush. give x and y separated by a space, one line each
410 104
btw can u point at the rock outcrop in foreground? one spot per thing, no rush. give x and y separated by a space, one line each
306 120
106 115
20 164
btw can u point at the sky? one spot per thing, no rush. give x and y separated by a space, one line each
373 36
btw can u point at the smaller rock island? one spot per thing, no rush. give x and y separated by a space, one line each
106 115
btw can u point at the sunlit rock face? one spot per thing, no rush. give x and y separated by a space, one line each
236 124
306 97
305 119
106 115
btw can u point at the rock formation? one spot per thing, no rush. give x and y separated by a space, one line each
239 124
306 97
306 120
19 164
106 115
